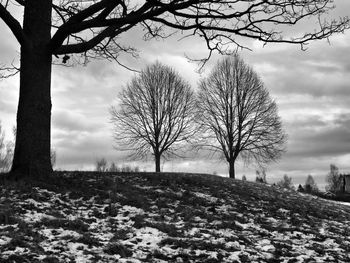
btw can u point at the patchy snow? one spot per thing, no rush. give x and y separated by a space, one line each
34 216
265 245
56 233
4 240
147 222
344 203
207 197
147 238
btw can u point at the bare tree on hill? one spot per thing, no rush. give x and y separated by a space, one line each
95 28
335 180
237 115
155 112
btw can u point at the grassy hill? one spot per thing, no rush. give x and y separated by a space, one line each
146 217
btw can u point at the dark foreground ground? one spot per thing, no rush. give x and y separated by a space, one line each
91 217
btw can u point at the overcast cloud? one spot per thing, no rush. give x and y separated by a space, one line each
311 88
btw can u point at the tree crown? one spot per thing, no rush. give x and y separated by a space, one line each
155 112
237 115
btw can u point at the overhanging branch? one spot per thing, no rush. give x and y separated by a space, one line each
13 24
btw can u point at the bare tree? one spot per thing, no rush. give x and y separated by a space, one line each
336 183
237 115
101 165
155 113
113 168
94 29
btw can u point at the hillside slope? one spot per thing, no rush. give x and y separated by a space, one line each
90 217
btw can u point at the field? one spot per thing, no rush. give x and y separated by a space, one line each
147 217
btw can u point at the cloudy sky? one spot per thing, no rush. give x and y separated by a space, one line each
311 88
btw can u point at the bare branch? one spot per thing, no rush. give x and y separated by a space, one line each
221 24
13 24
7 72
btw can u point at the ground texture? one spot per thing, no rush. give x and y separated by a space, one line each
89 217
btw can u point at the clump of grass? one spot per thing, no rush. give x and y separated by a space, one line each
75 225
6 215
89 240
111 210
167 228
51 259
16 241
116 248
17 258
140 221
121 234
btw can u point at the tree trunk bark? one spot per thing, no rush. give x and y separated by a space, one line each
33 137
232 169
157 161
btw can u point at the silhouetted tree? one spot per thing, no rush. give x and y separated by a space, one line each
286 182
237 116
310 185
155 112
93 29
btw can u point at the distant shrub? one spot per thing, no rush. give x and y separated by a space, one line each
286 182
310 185
301 188
113 168
244 178
101 165
130 169
261 176
126 169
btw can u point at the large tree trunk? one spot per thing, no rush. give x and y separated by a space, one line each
232 169
32 150
157 161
